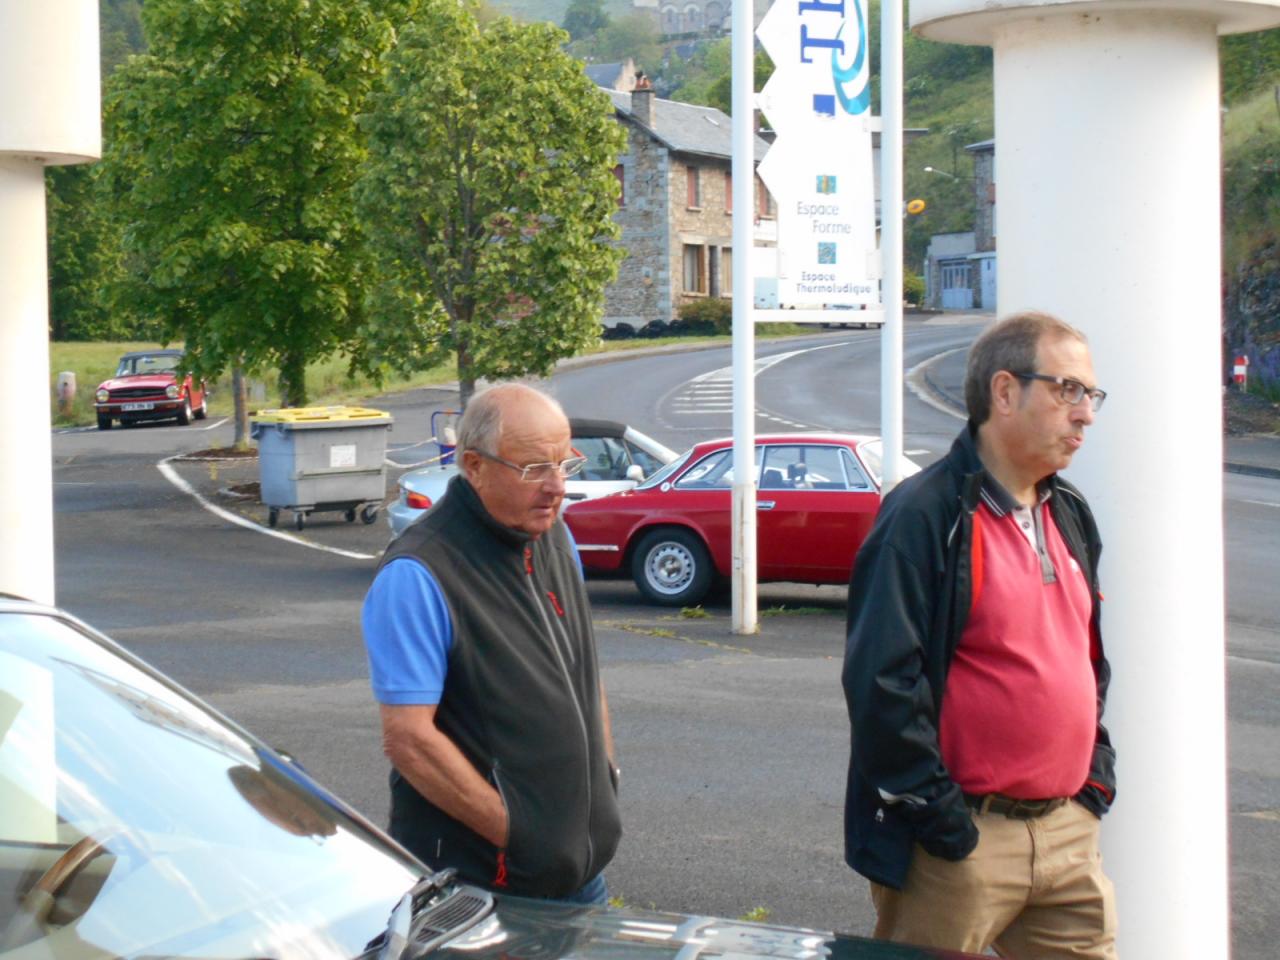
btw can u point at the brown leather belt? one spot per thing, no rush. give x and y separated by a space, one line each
1012 807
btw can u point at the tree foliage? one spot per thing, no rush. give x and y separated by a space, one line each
232 151
489 196
585 18
84 260
633 35
1250 62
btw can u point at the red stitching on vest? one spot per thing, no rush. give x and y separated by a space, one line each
528 560
501 879
555 603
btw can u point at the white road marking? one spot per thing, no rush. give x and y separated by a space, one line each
171 475
216 424
1262 503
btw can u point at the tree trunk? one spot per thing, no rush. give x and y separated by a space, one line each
293 385
466 379
239 396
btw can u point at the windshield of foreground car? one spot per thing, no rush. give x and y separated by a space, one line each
135 822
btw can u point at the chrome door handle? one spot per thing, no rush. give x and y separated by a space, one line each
764 504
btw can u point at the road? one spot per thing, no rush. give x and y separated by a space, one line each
733 749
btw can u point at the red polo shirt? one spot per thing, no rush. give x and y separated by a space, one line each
1019 714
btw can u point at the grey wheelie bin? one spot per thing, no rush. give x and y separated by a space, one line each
322 459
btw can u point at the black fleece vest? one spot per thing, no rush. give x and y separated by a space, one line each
521 700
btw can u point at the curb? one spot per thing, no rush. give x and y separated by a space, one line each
1252 470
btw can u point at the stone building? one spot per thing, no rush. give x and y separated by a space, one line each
960 268
675 208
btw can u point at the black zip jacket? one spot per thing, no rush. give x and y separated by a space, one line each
909 599
521 700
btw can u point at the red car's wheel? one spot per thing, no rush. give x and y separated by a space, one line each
672 567
184 413
104 423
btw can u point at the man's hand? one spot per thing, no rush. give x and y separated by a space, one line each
438 770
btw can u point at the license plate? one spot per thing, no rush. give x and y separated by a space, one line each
130 407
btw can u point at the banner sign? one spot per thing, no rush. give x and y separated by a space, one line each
819 169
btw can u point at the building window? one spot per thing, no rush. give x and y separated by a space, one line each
764 201
695 268
693 188
728 191
622 185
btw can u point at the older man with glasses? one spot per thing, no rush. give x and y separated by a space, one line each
975 677
483 661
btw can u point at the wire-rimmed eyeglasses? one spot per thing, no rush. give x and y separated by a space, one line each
540 472
1073 391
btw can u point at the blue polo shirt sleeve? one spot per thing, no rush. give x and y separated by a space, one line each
577 554
408 634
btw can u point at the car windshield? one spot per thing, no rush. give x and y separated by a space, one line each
872 454
148 363
136 822
663 475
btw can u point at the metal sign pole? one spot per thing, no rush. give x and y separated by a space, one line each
744 332
891 176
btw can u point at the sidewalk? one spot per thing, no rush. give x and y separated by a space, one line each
1254 454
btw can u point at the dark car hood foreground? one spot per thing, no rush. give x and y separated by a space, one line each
534 930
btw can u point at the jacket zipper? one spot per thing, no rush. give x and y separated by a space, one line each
538 602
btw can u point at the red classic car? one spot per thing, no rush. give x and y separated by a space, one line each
146 387
818 494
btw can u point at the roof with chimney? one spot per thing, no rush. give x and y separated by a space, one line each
685 127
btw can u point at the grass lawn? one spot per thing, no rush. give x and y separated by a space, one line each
327 380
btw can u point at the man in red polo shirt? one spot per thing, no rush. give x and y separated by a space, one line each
975 677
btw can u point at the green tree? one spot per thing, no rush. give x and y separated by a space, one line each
84 260
489 198
232 152
634 35
584 18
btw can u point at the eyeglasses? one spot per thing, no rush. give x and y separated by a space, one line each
541 472
1073 391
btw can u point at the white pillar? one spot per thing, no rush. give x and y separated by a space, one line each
743 520
1107 159
49 113
26 480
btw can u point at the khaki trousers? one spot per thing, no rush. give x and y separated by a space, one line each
1032 889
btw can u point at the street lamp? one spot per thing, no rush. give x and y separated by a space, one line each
945 174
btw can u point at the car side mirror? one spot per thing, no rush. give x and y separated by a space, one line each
635 472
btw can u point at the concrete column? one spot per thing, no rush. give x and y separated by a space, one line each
26 481
49 114
1107 139
1107 132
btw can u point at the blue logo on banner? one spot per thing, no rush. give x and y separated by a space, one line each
860 101
826 253
826 184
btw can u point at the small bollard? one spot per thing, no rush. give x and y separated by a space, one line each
66 391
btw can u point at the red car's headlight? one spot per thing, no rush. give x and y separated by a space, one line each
171 391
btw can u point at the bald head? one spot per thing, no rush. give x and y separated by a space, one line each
490 411
505 429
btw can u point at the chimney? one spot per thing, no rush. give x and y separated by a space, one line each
642 100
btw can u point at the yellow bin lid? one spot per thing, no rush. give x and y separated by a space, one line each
337 416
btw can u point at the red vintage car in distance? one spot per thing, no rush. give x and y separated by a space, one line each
818 494
146 387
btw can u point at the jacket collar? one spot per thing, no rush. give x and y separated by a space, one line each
977 483
469 500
